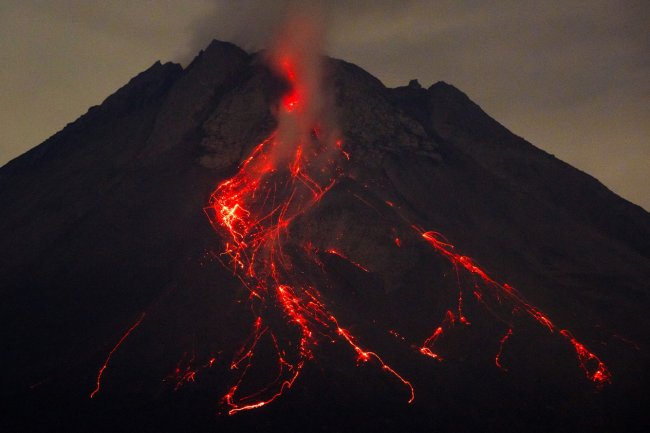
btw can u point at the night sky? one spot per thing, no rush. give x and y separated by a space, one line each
572 77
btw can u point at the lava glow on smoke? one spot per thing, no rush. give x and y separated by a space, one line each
283 178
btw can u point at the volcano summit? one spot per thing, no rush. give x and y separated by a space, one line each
278 241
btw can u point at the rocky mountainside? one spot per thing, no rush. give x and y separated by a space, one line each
105 221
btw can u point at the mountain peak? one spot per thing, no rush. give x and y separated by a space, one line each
414 84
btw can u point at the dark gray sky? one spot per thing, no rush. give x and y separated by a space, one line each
572 77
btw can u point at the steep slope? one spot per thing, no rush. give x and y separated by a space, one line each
508 156
564 223
104 221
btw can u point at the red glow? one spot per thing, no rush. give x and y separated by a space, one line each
365 356
339 144
497 358
593 367
186 371
290 102
255 208
344 257
110 354
448 321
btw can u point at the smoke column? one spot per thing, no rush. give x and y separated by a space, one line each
306 109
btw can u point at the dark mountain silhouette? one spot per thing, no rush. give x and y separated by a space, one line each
105 221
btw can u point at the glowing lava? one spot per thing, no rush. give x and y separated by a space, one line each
110 354
278 182
491 293
284 177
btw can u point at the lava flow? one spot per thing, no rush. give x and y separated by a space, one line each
493 294
285 175
100 373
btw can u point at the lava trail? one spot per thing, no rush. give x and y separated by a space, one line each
104 366
493 295
285 176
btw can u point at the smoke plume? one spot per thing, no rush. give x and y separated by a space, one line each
305 113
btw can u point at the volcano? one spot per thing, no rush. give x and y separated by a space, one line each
398 261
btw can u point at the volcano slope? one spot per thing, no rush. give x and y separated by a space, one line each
104 230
